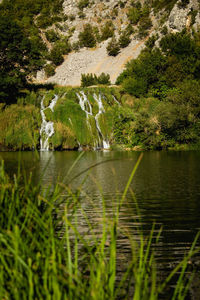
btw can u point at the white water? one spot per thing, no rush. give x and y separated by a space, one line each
47 129
87 108
106 144
115 100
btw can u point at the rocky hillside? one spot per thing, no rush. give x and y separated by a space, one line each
94 28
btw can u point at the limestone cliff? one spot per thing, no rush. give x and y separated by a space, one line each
97 13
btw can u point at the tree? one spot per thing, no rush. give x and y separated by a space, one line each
86 37
113 47
18 58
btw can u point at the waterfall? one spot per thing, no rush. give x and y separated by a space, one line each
87 108
115 100
47 129
106 144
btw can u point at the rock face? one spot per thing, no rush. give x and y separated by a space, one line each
182 17
97 13
95 61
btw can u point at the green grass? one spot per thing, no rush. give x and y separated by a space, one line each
45 255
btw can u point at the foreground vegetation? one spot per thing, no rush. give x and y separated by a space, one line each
46 255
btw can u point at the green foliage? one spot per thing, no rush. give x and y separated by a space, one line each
143 72
151 41
163 4
49 70
19 127
61 47
134 15
18 57
164 30
52 36
56 56
113 47
103 79
83 3
124 39
86 37
144 25
107 31
136 87
183 3
45 254
90 79
23 52
172 76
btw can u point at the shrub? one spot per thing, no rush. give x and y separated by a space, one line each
86 37
136 87
83 3
121 4
104 79
151 41
134 15
49 70
51 36
144 24
90 79
107 31
164 30
56 56
183 3
113 47
124 40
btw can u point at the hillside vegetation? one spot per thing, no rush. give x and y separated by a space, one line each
156 103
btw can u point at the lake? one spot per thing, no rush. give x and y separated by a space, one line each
166 186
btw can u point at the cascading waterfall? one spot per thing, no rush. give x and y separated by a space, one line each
47 128
106 144
87 108
115 100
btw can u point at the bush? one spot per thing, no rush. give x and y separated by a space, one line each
124 40
136 87
113 47
52 36
86 37
183 3
83 3
107 31
104 79
151 41
90 79
56 56
134 15
49 70
144 25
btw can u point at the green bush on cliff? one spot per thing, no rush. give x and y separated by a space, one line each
107 31
83 3
113 48
87 37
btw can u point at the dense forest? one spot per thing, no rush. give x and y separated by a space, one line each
158 92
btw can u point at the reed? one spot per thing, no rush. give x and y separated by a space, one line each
45 255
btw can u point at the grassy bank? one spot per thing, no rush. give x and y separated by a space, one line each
45 254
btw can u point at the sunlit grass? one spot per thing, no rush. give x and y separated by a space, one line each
45 254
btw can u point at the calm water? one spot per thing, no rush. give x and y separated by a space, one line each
166 185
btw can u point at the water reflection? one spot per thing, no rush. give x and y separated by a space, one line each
166 185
